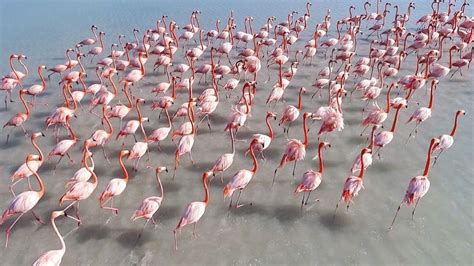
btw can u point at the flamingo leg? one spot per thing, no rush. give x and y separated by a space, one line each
414 209
302 201
335 211
105 154
307 198
7 233
237 205
194 230
437 157
294 169
37 218
395 217
274 175
141 231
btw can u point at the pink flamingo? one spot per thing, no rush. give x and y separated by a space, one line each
241 179
100 137
62 148
423 113
161 133
20 118
131 126
136 75
353 184
439 71
23 171
446 141
37 89
264 141
90 41
312 179
115 186
59 69
151 204
82 174
98 49
139 148
53 257
225 160
186 142
81 189
193 212
121 110
418 186
378 115
24 202
385 137
291 113
368 156
295 149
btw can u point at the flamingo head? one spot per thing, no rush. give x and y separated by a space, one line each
325 144
161 169
56 214
32 157
272 114
37 134
124 152
461 112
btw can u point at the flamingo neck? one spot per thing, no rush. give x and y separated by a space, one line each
95 34
451 58
55 228
206 189
455 126
168 117
320 155
427 66
113 85
254 159
173 89
300 105
388 98
430 104
305 130
394 124
101 41
109 125
43 82
162 192
13 68
372 138
127 95
232 139
428 159
38 178
281 75
33 142
362 166
83 84
270 130
27 109
68 58
124 170
88 168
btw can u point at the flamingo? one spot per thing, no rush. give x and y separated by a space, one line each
446 141
378 115
90 41
241 179
82 174
37 89
81 189
225 160
62 148
418 186
295 149
264 141
383 138
368 156
24 202
193 212
353 184
139 148
186 142
136 75
161 133
23 171
115 186
291 113
312 179
101 137
121 110
98 49
423 113
53 257
151 204
20 118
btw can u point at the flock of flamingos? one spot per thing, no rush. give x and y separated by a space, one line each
123 69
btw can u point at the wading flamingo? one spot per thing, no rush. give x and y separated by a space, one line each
53 257
446 141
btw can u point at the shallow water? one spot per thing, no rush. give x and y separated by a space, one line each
273 230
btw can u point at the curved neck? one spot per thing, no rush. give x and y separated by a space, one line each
33 142
394 124
142 67
90 170
43 82
305 130
84 87
168 117
206 189
38 178
68 87
55 228
125 90
113 85
80 63
372 137
109 125
95 34
13 68
73 136
320 155
427 66
270 130
27 110
99 76
24 67
68 57
254 158
162 192
428 159
100 40
124 170
455 126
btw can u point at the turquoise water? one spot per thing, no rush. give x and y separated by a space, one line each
273 230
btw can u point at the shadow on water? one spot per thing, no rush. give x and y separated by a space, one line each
92 231
335 223
167 212
129 239
250 208
288 213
